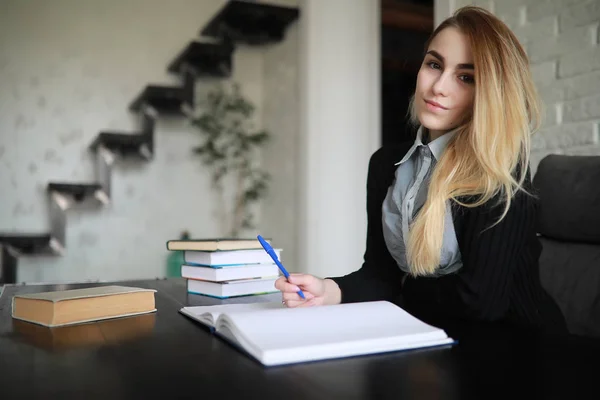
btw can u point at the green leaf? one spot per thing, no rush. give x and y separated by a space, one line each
258 137
199 150
247 223
225 124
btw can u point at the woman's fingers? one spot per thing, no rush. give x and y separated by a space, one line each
310 286
296 297
279 283
283 285
293 303
300 303
308 303
301 279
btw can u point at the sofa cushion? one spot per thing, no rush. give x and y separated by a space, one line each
570 273
569 192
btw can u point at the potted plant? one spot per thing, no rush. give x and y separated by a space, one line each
230 145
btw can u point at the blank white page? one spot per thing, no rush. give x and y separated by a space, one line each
197 312
303 334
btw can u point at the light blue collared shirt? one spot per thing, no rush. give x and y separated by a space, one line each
407 195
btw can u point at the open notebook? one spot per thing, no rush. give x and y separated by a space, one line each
275 335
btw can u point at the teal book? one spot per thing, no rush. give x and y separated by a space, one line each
229 273
234 288
228 258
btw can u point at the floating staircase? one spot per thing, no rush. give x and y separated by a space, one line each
237 22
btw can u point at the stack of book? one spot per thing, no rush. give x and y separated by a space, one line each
226 267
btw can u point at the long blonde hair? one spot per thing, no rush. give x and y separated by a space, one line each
489 154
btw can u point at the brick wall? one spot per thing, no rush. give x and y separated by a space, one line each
561 38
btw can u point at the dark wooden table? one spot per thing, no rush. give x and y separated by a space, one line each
170 356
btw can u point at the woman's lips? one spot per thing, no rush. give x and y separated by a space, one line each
434 106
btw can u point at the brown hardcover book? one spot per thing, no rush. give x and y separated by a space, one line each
214 244
82 305
107 332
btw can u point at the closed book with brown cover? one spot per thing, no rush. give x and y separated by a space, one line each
222 244
75 306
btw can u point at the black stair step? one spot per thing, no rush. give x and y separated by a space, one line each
30 243
125 144
165 99
8 265
79 191
250 22
207 59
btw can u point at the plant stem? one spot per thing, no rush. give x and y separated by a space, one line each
239 203
222 212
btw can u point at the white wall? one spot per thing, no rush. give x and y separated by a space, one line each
279 211
339 130
69 69
442 9
561 38
327 70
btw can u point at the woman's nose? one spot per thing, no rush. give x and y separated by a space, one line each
441 85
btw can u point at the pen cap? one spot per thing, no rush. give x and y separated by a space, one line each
264 243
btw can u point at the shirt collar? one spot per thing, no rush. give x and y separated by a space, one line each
436 146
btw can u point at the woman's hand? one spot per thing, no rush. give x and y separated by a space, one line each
317 291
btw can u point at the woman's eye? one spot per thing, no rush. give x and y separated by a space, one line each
467 79
434 65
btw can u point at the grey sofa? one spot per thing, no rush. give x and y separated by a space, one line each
569 228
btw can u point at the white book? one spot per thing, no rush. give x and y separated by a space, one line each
275 335
242 287
225 258
229 272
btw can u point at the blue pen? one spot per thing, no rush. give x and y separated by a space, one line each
271 252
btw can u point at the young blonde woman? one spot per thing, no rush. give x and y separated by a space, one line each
451 216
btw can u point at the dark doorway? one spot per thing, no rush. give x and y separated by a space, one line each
405 27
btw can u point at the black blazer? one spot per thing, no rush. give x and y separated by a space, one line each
499 280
